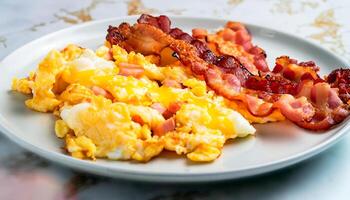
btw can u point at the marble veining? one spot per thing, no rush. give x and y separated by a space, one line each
136 7
293 7
329 31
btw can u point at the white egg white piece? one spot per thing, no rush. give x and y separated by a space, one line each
89 60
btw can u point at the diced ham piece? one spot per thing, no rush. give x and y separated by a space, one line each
159 107
128 69
172 83
129 65
100 91
166 126
138 119
172 109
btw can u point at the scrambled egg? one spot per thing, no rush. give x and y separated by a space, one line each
104 114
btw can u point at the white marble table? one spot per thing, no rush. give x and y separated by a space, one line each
23 175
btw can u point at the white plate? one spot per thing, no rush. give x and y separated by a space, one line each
276 145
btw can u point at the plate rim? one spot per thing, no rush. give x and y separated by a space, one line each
86 166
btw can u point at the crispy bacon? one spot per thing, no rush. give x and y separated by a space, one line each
329 109
227 85
230 65
296 110
272 83
199 33
235 40
141 37
340 78
294 88
258 107
324 121
162 22
294 71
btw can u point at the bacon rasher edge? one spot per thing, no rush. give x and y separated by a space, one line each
234 40
310 102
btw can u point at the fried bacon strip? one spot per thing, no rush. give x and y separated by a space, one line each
294 88
340 78
309 96
234 40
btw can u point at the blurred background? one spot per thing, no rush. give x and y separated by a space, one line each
25 176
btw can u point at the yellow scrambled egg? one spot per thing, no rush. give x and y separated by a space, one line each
102 114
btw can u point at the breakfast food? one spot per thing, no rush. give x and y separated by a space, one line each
292 88
129 108
152 88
